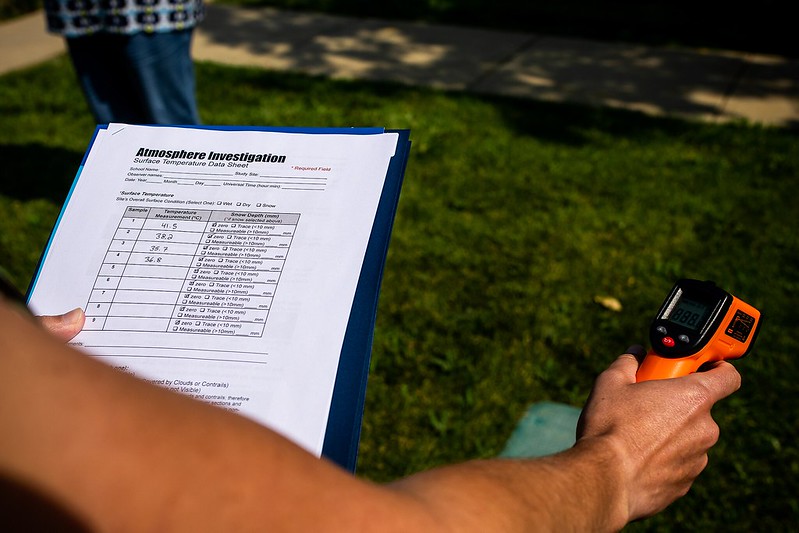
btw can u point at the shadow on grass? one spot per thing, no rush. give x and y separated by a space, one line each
260 94
765 29
567 123
710 85
38 171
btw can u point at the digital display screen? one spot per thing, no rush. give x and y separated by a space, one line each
689 313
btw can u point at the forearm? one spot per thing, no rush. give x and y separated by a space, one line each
122 454
577 490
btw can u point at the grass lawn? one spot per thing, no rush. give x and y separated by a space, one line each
515 217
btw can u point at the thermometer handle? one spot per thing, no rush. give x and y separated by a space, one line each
657 367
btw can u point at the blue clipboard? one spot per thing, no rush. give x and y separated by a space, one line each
343 432
342 435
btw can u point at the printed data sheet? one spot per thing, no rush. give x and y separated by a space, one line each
220 263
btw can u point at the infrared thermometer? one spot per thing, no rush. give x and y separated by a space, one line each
698 323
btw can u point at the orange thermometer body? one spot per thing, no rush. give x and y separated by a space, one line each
698 323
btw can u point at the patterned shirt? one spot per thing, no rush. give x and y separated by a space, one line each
72 18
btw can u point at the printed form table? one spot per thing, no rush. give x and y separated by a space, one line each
212 272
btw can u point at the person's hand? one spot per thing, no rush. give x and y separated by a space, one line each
661 430
64 326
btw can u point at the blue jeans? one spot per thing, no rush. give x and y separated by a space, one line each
144 78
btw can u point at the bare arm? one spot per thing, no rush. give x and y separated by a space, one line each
640 447
121 454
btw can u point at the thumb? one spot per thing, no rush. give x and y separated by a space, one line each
626 365
721 380
64 326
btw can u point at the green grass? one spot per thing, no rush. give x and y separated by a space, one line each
514 216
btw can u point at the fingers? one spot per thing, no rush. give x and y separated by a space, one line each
721 380
64 326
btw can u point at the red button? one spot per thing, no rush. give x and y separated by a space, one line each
667 341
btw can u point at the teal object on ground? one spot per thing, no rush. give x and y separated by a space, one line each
546 428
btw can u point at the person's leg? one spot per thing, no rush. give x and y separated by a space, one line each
104 77
163 67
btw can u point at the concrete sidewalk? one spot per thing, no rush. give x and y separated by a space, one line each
713 86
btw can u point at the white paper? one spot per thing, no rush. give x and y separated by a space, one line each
231 281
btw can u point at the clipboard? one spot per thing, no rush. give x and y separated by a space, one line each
342 433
